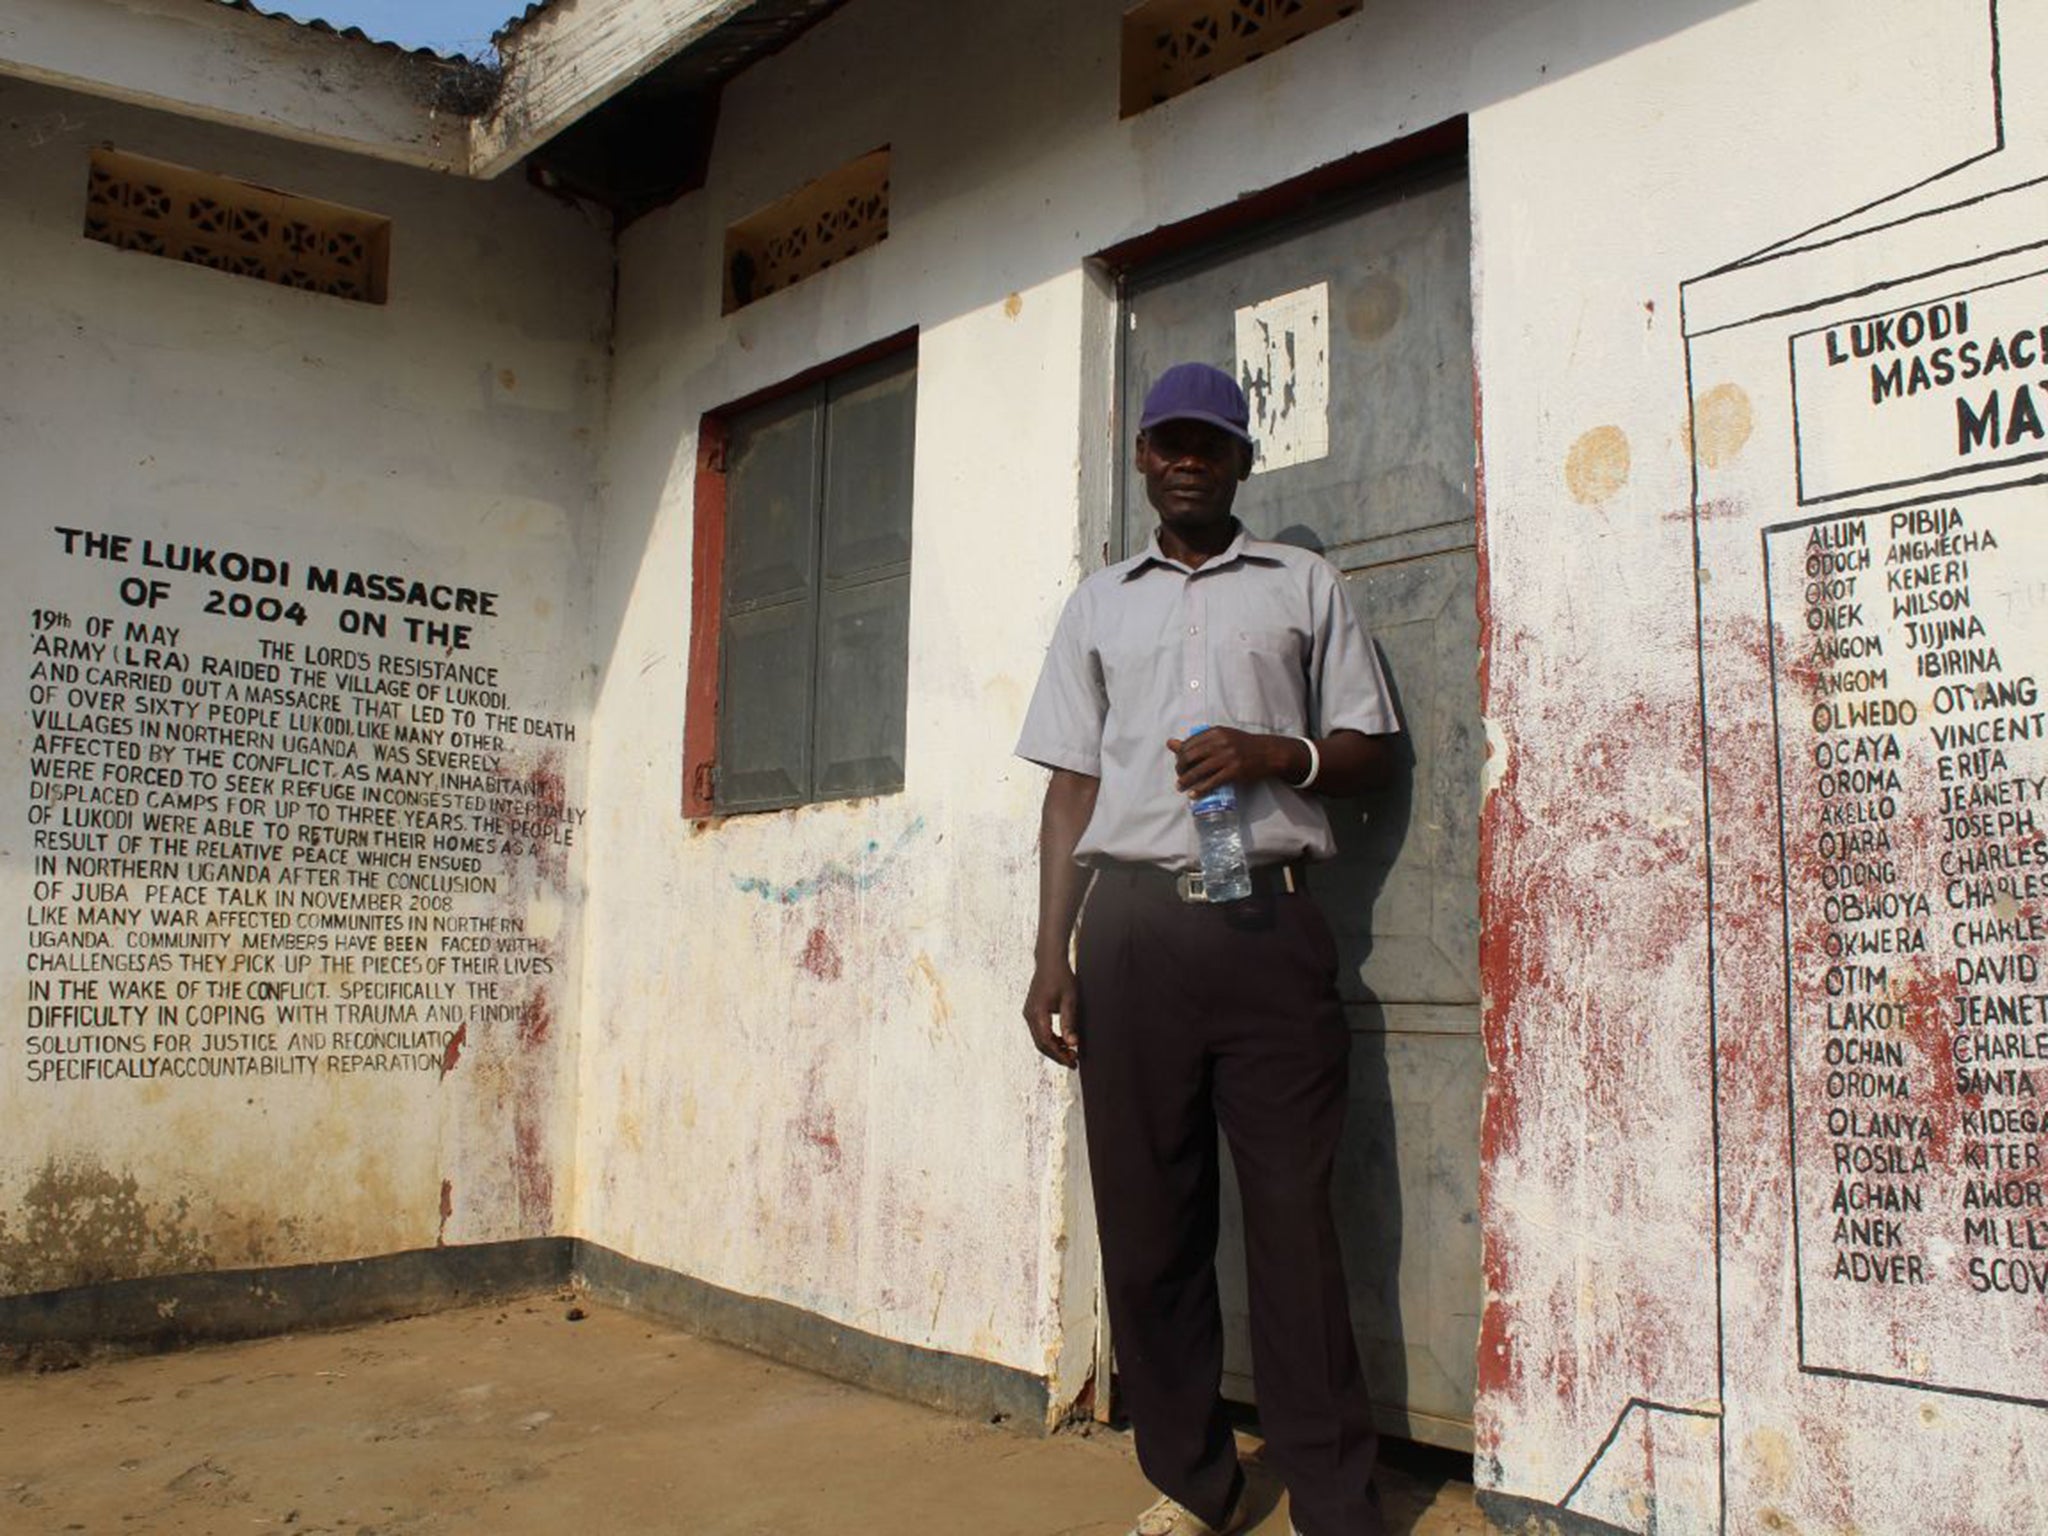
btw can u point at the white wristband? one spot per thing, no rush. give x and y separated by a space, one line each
1315 763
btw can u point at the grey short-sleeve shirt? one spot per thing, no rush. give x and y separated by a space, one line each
1261 638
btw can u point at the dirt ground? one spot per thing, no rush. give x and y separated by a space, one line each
516 1419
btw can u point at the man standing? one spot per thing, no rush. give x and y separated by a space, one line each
1189 1013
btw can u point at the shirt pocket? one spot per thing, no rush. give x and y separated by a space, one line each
1139 676
1263 674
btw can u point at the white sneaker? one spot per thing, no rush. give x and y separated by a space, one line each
1167 1518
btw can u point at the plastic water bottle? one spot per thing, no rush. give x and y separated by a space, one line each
1219 831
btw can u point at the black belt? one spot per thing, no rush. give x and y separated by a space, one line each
1186 885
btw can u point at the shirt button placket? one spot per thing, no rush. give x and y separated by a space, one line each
1194 652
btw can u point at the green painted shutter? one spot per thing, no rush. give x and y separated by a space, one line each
764 708
864 621
816 644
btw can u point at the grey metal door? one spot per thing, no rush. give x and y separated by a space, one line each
1353 333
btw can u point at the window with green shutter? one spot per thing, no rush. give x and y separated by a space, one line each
814 637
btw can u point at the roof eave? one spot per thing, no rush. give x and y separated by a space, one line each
563 62
221 64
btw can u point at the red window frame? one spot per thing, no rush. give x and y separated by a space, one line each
707 567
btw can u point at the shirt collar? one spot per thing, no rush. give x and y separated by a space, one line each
1242 547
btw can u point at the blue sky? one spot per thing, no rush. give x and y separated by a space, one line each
446 26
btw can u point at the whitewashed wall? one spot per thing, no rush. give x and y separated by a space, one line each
872 1138
446 437
797 1064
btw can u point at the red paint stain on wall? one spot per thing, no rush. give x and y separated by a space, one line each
821 956
516 1068
451 1053
1586 904
547 807
1500 1113
547 797
533 1179
447 1210
1707 511
1510 953
818 1127
1499 1369
536 825
822 1132
1926 996
536 1020
533 1182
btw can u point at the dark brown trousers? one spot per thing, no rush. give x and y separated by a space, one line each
1193 1017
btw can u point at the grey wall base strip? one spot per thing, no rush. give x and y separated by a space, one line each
174 1311
1514 1515
976 1388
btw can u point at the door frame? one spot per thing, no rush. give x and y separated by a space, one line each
1331 190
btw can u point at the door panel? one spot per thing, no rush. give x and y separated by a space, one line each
1407 1200
1368 307
1398 337
1404 895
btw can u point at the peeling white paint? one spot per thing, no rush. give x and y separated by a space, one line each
1497 766
1283 362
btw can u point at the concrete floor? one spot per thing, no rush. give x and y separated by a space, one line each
515 1419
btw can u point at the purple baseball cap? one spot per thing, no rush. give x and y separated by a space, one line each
1197 392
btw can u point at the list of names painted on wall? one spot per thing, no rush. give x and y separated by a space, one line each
287 819
1912 762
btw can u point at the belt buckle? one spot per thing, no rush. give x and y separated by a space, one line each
1187 885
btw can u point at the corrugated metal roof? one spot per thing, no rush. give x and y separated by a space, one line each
505 29
524 18
674 94
462 86
357 34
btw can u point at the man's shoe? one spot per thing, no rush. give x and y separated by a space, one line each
1166 1518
